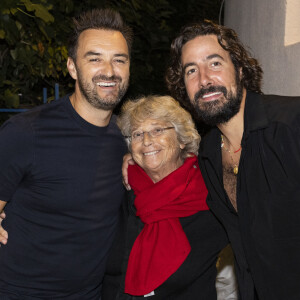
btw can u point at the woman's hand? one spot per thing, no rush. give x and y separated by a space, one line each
127 160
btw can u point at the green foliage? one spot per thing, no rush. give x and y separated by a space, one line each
33 36
30 55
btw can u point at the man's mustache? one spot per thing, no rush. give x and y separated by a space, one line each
106 78
210 89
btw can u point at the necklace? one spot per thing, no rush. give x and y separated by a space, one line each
235 168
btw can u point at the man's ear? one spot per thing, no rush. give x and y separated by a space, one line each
72 68
241 73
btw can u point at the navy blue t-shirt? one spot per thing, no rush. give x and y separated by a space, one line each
61 177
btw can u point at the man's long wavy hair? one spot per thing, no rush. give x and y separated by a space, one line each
228 39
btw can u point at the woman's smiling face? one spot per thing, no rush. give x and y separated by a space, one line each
160 155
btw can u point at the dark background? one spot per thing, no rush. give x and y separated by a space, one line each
33 36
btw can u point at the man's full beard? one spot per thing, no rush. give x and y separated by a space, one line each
91 95
213 112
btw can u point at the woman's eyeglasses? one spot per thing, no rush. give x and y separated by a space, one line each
138 136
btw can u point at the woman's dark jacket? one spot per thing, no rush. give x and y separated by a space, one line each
195 279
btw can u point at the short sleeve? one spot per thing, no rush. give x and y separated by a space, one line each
16 152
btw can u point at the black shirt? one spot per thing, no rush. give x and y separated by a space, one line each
195 278
265 234
61 177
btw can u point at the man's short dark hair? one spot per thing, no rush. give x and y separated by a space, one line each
106 19
229 41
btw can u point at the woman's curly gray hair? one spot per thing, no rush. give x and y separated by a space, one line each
162 108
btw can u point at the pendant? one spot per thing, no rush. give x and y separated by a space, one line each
235 170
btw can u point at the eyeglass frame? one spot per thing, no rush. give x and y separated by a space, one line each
129 137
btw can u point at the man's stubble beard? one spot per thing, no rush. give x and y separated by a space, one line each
89 91
213 113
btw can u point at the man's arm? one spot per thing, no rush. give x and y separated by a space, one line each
3 233
16 157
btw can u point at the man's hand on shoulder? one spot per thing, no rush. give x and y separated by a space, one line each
127 160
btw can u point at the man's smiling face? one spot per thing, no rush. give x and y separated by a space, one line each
101 69
212 82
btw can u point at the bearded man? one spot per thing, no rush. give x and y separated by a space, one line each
60 179
250 159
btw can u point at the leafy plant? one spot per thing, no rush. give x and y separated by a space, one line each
30 55
33 36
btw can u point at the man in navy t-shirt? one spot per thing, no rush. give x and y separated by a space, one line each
60 176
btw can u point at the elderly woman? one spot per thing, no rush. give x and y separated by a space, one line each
168 240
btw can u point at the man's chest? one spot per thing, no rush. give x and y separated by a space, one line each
230 165
230 181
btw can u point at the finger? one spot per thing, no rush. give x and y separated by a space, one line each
3 241
127 159
2 215
126 185
125 175
3 236
131 162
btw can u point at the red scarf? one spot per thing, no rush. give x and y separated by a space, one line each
162 246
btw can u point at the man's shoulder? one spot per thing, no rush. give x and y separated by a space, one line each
281 109
276 102
113 128
26 118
